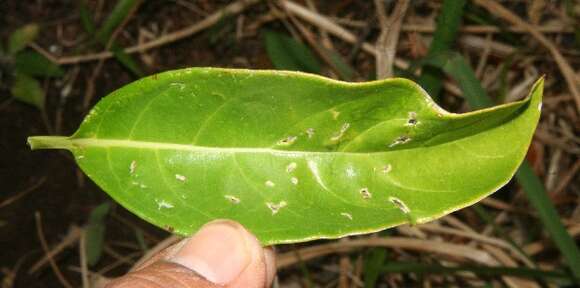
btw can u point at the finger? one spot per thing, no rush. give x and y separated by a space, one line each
227 254
162 274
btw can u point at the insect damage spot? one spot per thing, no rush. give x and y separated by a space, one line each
412 121
291 167
340 133
400 204
335 114
275 208
310 132
269 183
294 180
350 172
387 168
180 177
347 215
232 199
132 167
540 106
287 141
314 169
141 185
400 140
365 193
163 204
179 85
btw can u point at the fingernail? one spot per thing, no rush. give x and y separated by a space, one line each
218 252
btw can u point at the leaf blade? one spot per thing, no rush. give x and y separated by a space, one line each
27 89
271 149
22 37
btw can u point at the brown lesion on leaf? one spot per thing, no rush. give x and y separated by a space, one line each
340 133
365 193
275 207
387 168
294 180
287 141
269 183
400 205
310 132
400 140
412 120
232 199
132 167
291 167
347 215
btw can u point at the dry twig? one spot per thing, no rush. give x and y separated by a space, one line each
72 236
83 259
497 9
231 9
55 268
447 249
389 37
23 193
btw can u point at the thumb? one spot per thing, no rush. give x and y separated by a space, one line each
221 253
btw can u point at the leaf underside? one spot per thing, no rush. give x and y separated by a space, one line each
293 156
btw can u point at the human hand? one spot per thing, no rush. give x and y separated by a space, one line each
221 254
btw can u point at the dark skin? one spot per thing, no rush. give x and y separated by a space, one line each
222 254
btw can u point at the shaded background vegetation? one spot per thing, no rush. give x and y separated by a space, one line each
58 58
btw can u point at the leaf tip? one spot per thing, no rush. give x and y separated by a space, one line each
536 93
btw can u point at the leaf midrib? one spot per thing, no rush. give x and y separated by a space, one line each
106 143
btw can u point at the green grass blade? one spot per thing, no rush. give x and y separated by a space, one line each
126 60
141 239
539 198
454 65
421 268
119 13
345 71
445 33
289 54
373 265
86 19
103 35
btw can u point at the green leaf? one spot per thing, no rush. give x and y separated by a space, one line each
22 37
289 54
28 90
95 233
34 64
293 156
